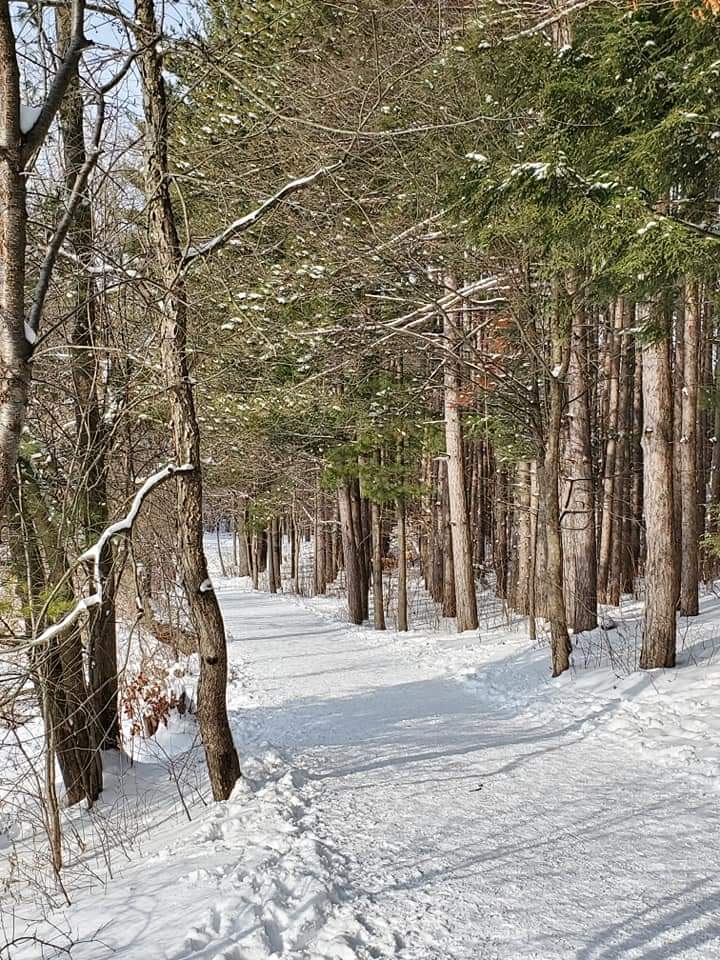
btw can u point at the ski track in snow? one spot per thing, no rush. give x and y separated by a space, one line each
399 802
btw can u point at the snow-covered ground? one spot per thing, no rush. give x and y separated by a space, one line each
431 797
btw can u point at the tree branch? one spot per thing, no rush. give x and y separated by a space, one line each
549 21
62 79
249 219
58 238
93 554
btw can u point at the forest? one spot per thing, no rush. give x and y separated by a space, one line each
382 337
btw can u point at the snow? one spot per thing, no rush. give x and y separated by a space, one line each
30 334
28 117
430 796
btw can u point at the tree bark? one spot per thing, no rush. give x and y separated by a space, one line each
522 564
92 439
18 148
636 487
402 617
548 480
658 644
222 759
500 550
621 485
377 573
690 539
449 608
272 556
608 482
465 596
351 555
14 347
578 507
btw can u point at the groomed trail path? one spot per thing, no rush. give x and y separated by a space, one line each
463 825
417 797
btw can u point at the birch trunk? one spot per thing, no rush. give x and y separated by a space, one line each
14 347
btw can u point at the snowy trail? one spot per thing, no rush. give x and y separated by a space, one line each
389 810
473 829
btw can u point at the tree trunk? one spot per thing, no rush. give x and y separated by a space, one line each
578 507
465 596
272 557
351 555
402 617
690 539
448 570
14 347
636 487
548 480
244 566
92 440
377 574
608 483
522 563
255 561
222 759
437 533
500 549
221 560
658 644
356 513
621 485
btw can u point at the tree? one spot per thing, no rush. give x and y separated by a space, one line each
222 759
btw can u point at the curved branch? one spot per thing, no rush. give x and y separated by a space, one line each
93 554
249 219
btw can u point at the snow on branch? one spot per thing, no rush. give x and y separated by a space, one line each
38 119
246 221
557 15
94 553
451 299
